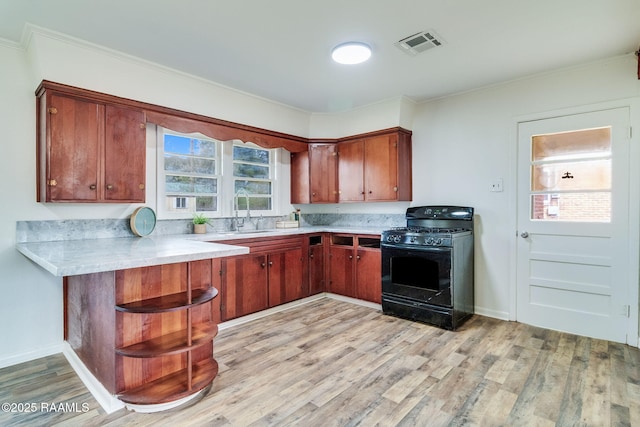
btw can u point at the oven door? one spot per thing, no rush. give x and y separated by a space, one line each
420 273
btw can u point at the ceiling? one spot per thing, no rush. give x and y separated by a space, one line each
280 49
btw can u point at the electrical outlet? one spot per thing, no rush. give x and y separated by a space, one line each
496 185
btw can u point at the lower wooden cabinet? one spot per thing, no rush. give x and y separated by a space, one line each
146 333
316 274
281 270
272 274
355 265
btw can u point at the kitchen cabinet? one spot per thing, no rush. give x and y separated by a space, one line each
323 173
355 265
316 273
146 333
272 274
375 168
300 191
89 150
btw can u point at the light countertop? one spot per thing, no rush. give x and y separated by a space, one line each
74 257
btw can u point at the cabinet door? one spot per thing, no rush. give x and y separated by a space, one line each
323 173
125 148
285 276
244 285
341 280
351 171
73 148
316 269
368 275
381 168
300 178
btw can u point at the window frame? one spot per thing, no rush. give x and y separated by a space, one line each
226 179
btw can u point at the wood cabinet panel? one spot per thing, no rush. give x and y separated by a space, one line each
286 276
341 274
125 154
323 173
300 191
72 148
381 168
316 273
351 171
244 285
368 275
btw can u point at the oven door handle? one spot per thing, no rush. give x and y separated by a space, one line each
417 248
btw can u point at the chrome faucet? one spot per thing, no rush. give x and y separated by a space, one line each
240 222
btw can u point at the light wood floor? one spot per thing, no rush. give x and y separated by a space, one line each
332 363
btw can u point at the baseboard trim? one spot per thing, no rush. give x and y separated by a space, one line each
32 355
260 314
108 401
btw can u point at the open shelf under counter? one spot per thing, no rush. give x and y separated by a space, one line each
173 386
172 302
174 343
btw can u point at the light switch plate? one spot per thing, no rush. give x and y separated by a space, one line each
496 185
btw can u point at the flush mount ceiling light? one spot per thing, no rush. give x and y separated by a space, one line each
351 53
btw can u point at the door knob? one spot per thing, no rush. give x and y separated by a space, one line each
524 234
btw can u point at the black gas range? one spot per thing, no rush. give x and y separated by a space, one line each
427 266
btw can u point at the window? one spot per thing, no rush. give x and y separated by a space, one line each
189 169
252 176
571 176
216 178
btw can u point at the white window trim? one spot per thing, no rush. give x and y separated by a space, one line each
225 184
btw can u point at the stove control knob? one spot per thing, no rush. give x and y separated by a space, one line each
438 242
429 241
412 239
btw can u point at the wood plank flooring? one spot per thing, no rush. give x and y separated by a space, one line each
332 363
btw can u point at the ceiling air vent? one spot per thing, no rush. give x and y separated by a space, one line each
419 42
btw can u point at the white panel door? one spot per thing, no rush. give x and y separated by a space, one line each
573 224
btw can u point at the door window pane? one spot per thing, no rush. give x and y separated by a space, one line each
571 176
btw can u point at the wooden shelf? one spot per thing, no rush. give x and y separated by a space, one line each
173 386
171 302
174 343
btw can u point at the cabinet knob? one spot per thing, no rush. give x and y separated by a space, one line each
143 125
141 186
92 187
52 183
263 265
311 256
53 110
109 187
395 189
358 257
270 263
350 256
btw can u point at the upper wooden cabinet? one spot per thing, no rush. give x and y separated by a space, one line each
89 151
371 167
375 169
323 173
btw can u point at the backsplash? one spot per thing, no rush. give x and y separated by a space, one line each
76 229
362 220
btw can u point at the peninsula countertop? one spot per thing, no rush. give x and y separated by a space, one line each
75 257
